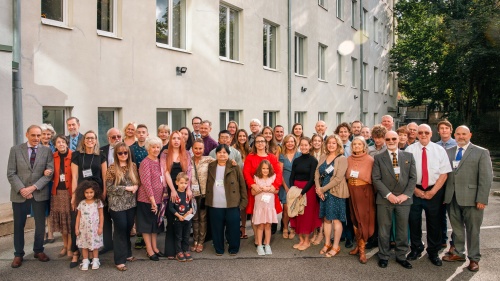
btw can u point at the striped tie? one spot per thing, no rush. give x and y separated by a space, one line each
32 156
395 163
74 143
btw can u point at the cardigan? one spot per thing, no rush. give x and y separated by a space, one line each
57 171
337 185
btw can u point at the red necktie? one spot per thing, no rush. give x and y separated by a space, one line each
425 173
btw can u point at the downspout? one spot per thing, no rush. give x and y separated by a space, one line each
17 100
361 60
289 100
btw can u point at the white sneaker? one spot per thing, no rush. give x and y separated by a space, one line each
95 263
267 250
85 264
260 250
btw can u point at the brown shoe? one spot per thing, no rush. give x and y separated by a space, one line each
473 266
453 257
451 251
17 262
42 257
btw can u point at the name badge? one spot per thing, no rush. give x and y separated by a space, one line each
329 169
354 174
455 164
266 198
62 178
219 183
397 170
87 173
195 189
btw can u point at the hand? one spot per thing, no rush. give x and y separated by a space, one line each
322 197
99 231
393 199
47 172
480 206
73 203
77 231
429 194
165 195
181 218
25 192
173 196
300 196
29 196
419 193
189 194
234 162
402 198
154 208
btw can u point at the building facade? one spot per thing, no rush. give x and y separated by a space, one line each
110 62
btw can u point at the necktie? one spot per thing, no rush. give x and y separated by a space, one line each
33 156
395 163
459 154
425 173
74 143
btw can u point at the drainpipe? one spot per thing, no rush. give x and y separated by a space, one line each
289 100
17 100
361 60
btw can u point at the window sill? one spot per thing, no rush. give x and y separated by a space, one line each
300 75
354 28
108 34
323 7
340 19
165 46
340 84
231 61
322 80
354 87
54 23
270 69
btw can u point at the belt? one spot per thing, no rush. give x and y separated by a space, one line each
421 188
357 182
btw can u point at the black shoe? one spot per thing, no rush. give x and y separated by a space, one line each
348 243
160 254
371 244
274 228
153 257
405 264
383 263
414 254
104 251
436 261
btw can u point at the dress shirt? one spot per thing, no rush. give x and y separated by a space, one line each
391 152
111 159
437 161
30 150
450 143
463 151
347 149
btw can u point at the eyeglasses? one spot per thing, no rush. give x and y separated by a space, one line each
421 133
261 141
389 139
116 137
89 138
122 153
199 123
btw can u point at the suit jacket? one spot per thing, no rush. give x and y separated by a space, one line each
105 151
20 174
384 178
471 180
234 186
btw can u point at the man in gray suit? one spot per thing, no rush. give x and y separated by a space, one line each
466 195
394 176
29 170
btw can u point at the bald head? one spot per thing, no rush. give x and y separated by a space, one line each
387 122
320 128
462 135
424 134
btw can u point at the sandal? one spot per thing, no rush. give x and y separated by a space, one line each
285 233
242 233
131 259
325 249
121 267
318 239
304 247
193 248
333 252
199 248
292 233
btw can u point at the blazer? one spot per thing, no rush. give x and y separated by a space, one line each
384 178
471 180
105 151
337 185
67 172
20 174
234 185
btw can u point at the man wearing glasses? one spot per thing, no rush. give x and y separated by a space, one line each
433 167
412 132
196 122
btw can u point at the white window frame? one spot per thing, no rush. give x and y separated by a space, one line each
375 30
228 31
339 7
226 120
340 68
300 54
65 22
170 23
376 84
322 4
339 116
365 74
354 9
322 62
375 118
66 114
354 72
102 134
322 116
364 23
268 26
300 117
268 117
114 32
169 117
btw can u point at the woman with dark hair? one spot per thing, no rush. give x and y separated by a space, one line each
174 160
187 137
60 202
122 182
272 147
297 131
226 196
242 143
87 163
232 127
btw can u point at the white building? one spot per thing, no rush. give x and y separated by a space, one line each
116 61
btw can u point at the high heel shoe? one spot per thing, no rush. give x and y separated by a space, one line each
153 257
74 264
325 249
332 252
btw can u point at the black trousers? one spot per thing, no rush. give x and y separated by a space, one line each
170 234
433 219
225 220
21 211
182 230
107 229
73 235
123 222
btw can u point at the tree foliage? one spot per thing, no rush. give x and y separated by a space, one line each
447 55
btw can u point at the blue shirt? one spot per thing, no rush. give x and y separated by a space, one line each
450 143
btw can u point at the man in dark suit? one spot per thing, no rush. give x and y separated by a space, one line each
29 170
394 176
73 126
466 196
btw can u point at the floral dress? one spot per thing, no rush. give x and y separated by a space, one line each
89 225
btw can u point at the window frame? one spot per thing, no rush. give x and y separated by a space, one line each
354 9
227 113
340 68
339 9
322 70
375 30
66 112
101 135
338 117
365 78
65 14
227 55
300 117
184 31
169 121
323 4
266 27
114 32
364 23
270 118
300 54
354 74
376 84
322 115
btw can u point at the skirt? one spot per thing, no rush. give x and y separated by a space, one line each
60 216
264 212
147 221
362 206
307 222
333 208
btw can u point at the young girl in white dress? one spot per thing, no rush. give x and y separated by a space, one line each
89 222
264 212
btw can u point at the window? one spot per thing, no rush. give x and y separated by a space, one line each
56 116
354 12
364 23
55 12
375 118
375 80
299 117
375 30
322 3
354 73
365 73
340 115
228 33
390 82
322 62
340 9
171 23
174 118
106 119
340 68
322 116
270 40
365 114
299 54
226 116
107 17
270 118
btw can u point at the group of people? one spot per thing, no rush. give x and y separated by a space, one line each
360 184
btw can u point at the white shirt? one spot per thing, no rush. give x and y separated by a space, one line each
390 155
111 159
463 151
437 161
219 200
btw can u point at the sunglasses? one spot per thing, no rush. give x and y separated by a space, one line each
116 137
421 133
122 153
389 139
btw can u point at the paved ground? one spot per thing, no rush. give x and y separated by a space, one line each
284 264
